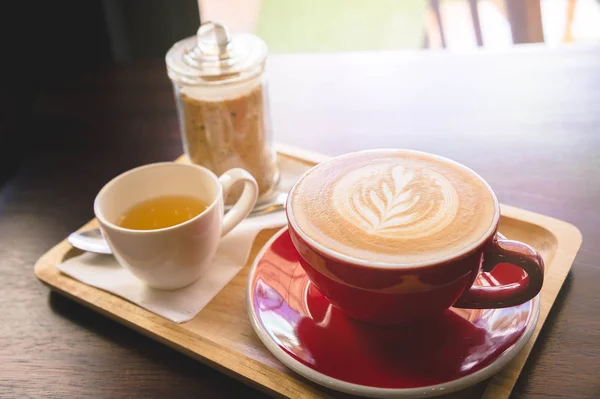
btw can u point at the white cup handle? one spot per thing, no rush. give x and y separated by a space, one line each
240 210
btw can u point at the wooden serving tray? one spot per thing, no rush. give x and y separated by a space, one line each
221 335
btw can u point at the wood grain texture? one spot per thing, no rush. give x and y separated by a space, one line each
222 337
526 119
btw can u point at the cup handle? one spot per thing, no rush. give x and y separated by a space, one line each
516 253
240 210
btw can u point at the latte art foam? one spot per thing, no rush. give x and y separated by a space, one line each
393 206
382 200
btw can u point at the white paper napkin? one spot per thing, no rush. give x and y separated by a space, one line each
104 272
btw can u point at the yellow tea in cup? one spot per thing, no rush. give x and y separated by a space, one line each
161 212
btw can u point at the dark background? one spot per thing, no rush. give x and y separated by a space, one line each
46 43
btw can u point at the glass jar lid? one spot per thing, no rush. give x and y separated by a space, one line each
216 56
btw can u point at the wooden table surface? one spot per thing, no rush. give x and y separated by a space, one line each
528 120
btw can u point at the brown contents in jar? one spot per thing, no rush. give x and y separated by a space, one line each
230 133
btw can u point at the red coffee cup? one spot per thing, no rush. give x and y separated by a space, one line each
408 295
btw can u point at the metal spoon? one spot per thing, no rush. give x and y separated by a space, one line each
275 204
92 240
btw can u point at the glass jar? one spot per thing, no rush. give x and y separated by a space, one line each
222 103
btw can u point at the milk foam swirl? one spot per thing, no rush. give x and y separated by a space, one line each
390 200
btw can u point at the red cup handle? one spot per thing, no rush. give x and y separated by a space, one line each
503 296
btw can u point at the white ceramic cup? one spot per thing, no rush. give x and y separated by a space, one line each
175 256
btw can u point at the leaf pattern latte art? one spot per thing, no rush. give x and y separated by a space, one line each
391 200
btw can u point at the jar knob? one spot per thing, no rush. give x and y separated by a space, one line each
213 39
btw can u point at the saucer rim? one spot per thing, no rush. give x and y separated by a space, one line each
369 391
